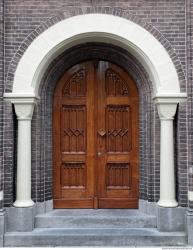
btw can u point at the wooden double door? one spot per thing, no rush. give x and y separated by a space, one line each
95 138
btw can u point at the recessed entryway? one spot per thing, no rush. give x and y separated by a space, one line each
95 136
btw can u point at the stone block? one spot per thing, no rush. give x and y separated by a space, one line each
152 208
148 207
2 222
171 219
95 237
190 228
2 227
143 206
103 218
1 240
43 207
40 208
49 205
20 219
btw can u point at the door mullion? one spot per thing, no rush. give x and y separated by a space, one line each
90 131
101 128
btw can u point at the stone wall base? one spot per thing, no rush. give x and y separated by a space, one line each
189 218
148 207
20 219
168 219
2 227
43 207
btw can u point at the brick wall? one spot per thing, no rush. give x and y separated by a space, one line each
168 17
190 92
1 95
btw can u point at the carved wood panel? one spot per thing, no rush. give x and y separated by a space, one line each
118 128
73 128
115 85
73 168
73 175
76 85
118 162
118 175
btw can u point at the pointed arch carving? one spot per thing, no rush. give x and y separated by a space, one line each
76 85
115 85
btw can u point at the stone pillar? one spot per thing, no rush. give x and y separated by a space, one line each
167 172
167 109
24 112
24 106
190 208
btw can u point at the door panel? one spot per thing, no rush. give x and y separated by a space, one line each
95 138
73 158
117 148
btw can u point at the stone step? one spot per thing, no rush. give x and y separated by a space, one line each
45 237
91 218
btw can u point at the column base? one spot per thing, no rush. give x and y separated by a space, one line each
167 203
23 203
2 227
189 219
171 219
20 219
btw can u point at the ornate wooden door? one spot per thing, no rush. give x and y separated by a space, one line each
95 138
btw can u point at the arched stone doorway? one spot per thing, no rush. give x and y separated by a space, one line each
107 28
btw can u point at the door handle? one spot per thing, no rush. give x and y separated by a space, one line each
102 132
99 153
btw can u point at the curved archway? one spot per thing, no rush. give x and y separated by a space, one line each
43 113
96 28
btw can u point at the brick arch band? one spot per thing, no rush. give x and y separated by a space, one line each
159 63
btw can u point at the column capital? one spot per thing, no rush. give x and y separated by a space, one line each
24 105
167 104
24 111
166 111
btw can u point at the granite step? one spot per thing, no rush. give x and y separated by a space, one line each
92 218
133 237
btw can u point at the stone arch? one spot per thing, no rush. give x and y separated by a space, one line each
39 36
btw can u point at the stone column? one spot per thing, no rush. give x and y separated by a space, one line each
167 172
167 109
24 111
190 207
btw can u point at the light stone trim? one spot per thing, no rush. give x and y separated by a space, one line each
190 195
1 195
95 28
24 110
167 109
